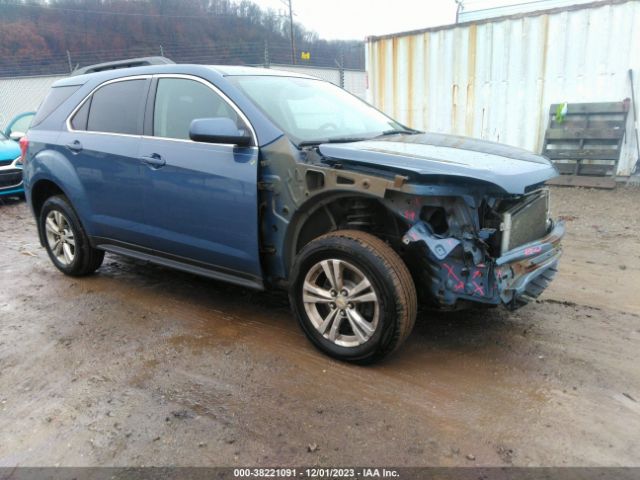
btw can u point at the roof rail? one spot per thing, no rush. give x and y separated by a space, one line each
130 62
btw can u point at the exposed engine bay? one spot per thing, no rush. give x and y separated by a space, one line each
481 255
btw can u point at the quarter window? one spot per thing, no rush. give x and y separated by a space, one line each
118 107
179 101
55 98
79 120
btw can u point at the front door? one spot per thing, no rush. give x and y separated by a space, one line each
200 198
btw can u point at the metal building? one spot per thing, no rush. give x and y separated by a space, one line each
483 9
496 78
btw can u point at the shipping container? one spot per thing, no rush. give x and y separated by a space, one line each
496 78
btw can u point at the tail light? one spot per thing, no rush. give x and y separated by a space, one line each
24 145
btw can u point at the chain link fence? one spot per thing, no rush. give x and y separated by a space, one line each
24 94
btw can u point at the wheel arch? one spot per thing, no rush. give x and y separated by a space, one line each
304 227
51 173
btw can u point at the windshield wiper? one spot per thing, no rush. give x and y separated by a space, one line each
308 143
399 130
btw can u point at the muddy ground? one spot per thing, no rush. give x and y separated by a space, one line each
141 365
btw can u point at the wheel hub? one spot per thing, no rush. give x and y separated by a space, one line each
340 302
60 237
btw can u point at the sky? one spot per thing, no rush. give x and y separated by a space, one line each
358 19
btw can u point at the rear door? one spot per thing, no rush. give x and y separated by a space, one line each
102 141
200 198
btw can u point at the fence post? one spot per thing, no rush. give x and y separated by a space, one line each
161 51
340 65
69 60
266 54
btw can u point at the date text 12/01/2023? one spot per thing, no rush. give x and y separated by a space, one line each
315 473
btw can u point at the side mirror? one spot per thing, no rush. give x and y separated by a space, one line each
218 130
16 136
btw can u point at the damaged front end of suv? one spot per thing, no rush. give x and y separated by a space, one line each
486 248
470 218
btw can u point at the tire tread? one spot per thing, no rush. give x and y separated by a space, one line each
406 302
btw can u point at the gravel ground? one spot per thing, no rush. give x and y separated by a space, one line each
141 365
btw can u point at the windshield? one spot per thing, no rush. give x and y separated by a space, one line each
313 111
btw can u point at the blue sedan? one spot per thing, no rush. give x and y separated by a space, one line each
10 167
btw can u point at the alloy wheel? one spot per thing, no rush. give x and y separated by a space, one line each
341 302
60 237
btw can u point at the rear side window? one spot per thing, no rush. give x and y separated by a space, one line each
55 98
118 107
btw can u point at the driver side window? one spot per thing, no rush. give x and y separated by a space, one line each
179 101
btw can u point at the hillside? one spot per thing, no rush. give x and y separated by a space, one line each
35 36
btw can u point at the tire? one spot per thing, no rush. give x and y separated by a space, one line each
376 319
60 227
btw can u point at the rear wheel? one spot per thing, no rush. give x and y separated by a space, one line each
353 296
65 240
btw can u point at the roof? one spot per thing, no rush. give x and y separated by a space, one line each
178 68
126 63
238 70
581 6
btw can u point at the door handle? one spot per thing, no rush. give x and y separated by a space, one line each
154 160
76 146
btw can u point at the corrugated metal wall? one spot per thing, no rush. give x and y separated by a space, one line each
497 79
482 9
23 94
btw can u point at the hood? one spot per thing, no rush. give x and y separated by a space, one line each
510 168
9 150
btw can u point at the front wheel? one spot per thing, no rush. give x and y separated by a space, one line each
353 296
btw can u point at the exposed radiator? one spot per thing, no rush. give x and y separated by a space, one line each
526 221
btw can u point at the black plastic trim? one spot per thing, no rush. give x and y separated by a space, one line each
177 262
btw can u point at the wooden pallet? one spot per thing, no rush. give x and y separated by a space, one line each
583 181
587 142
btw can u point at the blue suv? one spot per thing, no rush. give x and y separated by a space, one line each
271 179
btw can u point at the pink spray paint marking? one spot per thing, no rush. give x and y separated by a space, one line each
450 273
410 215
479 290
532 250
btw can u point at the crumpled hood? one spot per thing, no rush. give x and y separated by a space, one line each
510 168
9 150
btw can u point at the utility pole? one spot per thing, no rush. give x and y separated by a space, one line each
293 47
459 8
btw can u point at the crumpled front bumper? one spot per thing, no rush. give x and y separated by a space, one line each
523 273
514 279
